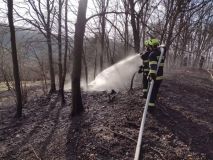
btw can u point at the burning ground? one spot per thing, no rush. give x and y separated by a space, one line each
181 127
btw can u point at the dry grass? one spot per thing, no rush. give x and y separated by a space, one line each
3 87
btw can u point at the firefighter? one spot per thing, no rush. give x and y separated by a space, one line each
145 68
153 74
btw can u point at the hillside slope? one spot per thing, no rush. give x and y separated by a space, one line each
181 127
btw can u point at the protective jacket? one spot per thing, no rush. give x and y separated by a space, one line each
153 62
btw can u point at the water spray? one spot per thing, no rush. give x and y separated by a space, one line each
116 76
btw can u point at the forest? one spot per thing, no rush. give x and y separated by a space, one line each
73 79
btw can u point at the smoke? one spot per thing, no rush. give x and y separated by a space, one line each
67 85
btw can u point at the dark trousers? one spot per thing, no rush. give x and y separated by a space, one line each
154 94
145 84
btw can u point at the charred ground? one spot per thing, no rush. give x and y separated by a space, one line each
181 127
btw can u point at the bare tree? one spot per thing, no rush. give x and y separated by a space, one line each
42 18
65 51
135 26
61 88
137 20
104 5
15 59
126 32
77 107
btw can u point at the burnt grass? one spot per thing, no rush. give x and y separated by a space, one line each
181 127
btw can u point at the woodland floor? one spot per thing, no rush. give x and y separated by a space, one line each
181 128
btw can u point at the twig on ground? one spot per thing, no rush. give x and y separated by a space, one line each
122 135
157 151
34 152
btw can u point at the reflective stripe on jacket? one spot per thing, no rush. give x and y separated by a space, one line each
153 62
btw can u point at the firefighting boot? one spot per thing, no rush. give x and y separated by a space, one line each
151 109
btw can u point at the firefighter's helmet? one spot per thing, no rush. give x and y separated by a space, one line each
154 42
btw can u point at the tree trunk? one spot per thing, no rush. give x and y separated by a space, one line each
49 43
135 29
15 59
61 89
52 73
85 66
77 56
126 43
103 25
66 50
95 64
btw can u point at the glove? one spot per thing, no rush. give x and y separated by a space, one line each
140 69
152 76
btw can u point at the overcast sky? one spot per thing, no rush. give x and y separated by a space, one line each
73 6
91 9
20 6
